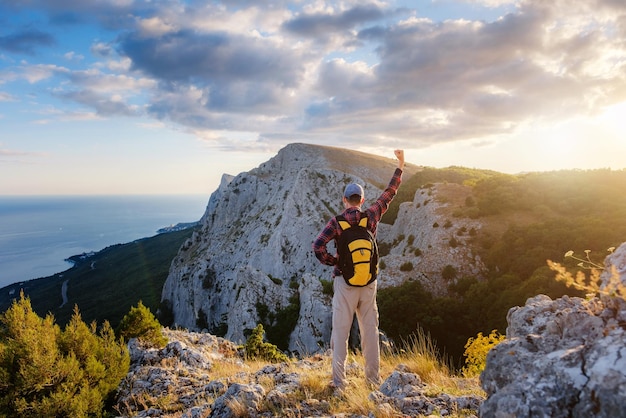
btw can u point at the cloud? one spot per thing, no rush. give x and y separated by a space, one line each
320 24
6 97
452 80
73 56
211 57
9 155
104 105
26 41
363 73
427 82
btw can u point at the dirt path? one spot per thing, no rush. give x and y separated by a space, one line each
64 293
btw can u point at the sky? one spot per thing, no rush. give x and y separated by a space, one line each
163 97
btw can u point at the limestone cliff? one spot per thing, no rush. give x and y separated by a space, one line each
252 256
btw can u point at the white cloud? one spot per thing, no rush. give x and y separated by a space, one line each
73 56
6 97
154 26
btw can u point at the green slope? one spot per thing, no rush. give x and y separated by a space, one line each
106 285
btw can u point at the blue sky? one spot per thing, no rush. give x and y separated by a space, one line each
160 97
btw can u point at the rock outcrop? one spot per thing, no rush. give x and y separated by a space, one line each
251 259
181 380
564 357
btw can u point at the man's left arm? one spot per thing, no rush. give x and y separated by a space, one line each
381 205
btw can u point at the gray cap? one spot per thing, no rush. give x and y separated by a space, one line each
352 189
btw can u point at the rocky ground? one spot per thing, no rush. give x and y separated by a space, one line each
200 375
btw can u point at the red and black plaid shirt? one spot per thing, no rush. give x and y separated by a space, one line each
353 215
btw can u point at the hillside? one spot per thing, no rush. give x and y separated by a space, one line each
105 285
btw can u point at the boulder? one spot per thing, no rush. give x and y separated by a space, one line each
563 357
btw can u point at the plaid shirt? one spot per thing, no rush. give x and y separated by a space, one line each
353 215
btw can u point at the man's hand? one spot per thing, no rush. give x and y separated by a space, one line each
400 156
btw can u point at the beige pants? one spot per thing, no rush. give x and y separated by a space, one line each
348 300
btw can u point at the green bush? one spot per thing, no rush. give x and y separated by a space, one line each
327 287
257 349
46 372
448 273
140 323
408 266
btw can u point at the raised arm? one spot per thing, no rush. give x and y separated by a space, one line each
400 156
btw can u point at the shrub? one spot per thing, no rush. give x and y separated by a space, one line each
47 372
384 249
275 280
257 349
476 350
408 266
327 287
448 273
140 323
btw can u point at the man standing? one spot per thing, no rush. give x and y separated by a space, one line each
348 300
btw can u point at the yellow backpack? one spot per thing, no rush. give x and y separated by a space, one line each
358 252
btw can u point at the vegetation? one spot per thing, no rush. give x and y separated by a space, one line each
417 354
527 219
476 350
426 178
591 285
141 324
106 285
257 349
46 372
280 325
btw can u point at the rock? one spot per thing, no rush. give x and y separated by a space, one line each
239 400
561 358
178 381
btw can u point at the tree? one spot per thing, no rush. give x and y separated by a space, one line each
140 323
46 372
257 349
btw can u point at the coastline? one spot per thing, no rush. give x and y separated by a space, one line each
43 235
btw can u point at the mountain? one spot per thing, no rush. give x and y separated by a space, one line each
251 262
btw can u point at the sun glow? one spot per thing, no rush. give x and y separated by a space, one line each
614 119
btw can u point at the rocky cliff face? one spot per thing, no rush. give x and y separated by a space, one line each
252 256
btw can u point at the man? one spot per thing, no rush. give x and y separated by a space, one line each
348 300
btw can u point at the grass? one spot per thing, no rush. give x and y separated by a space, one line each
417 355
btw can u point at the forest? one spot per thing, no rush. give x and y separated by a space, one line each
543 215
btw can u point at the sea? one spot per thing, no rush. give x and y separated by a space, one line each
39 233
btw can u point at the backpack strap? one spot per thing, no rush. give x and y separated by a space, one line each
344 224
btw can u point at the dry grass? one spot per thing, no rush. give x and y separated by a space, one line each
418 356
